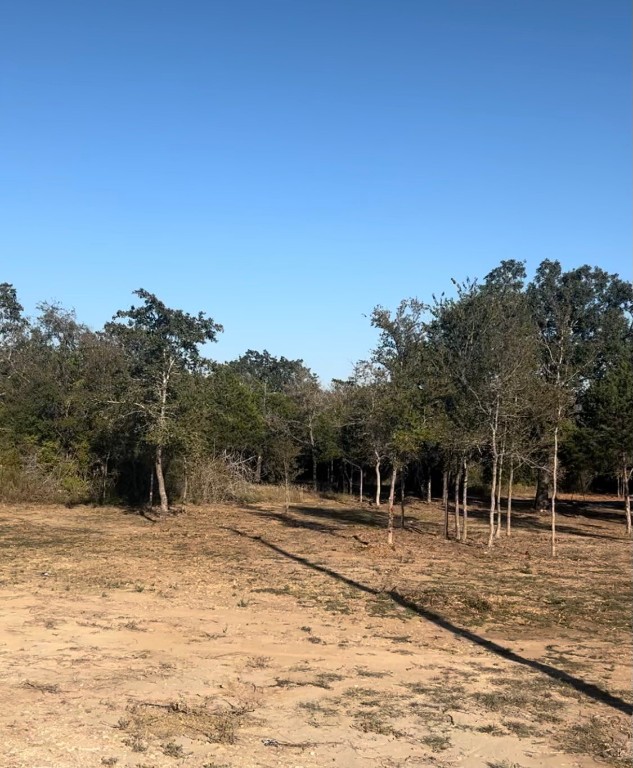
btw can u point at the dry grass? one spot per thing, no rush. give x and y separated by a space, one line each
426 608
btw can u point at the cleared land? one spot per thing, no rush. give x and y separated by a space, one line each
249 636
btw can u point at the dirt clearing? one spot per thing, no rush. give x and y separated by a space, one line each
228 636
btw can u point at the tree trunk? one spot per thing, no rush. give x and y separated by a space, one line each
377 480
258 469
499 484
287 486
465 502
541 499
429 497
151 488
185 486
104 488
392 493
458 527
509 507
402 498
445 500
164 502
360 495
351 480
493 487
627 498
313 454
554 490
314 473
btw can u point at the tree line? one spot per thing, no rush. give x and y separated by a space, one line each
503 381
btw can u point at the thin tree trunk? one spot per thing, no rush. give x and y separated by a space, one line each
377 480
509 507
162 492
402 498
627 498
493 499
351 479
465 502
258 469
458 527
445 500
429 497
361 485
493 488
287 486
314 473
392 493
104 488
314 456
554 490
185 487
151 488
499 486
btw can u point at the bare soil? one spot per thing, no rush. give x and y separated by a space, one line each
252 636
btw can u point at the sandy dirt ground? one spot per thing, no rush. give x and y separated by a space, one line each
254 636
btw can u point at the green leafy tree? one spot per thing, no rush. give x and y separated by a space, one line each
161 344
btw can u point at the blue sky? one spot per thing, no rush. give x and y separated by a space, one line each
286 165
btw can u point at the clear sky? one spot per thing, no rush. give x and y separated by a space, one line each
286 165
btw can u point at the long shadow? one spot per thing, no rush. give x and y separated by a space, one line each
589 689
525 517
347 516
292 522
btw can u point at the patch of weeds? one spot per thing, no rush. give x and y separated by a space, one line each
243 603
316 640
436 742
491 729
135 743
224 732
273 590
315 707
133 626
362 693
178 719
285 682
502 764
496 701
306 629
258 662
370 673
337 606
109 761
172 749
374 723
418 688
41 687
595 737
383 606
519 728
139 588
323 679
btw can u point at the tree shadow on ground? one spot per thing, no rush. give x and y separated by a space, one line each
293 522
525 517
373 518
588 689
